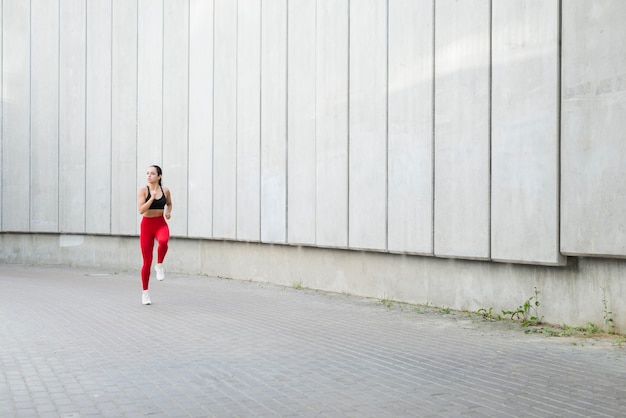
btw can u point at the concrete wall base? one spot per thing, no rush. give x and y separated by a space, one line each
573 294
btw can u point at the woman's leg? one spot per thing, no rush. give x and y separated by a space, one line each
146 241
162 236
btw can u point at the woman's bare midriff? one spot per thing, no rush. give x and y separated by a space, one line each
153 213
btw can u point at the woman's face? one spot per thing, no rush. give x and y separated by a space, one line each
152 176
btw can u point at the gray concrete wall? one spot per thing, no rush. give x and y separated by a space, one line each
457 130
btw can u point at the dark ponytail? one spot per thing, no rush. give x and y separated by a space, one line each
159 172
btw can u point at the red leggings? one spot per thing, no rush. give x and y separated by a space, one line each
152 228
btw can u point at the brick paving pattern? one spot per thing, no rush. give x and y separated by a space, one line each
77 342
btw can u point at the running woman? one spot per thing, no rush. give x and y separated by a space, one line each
155 204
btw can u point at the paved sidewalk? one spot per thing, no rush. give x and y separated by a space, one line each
78 343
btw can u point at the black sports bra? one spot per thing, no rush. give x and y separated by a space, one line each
157 203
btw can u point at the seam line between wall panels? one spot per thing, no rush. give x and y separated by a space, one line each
261 121
314 53
85 121
489 124
286 138
188 111
559 70
432 127
30 113
387 132
236 216
260 139
348 132
213 126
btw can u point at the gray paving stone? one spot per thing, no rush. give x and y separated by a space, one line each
78 343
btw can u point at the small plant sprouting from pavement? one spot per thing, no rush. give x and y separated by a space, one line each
608 320
387 302
488 314
528 313
297 284
445 310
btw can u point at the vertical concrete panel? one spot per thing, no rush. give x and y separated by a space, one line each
72 185
249 121
410 200
368 125
274 121
301 122
525 132
331 122
149 87
593 144
200 213
462 61
98 115
16 115
44 165
124 168
176 109
225 120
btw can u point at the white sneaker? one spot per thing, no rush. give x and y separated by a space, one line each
145 297
160 271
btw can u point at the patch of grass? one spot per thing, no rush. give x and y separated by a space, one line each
564 331
297 284
590 329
